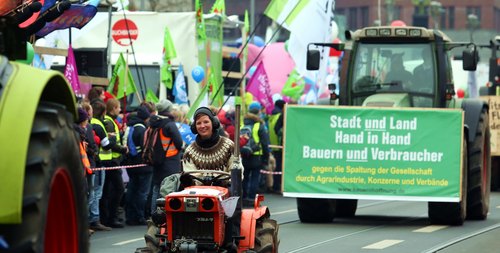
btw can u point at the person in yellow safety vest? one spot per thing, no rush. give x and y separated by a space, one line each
166 152
104 144
258 160
114 187
275 139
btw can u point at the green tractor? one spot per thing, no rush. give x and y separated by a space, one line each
44 207
410 67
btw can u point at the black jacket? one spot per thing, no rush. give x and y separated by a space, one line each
138 139
168 165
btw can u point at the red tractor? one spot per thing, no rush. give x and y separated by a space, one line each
207 217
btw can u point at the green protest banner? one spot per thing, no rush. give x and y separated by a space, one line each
213 28
373 153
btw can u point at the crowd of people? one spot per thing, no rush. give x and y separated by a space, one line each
147 145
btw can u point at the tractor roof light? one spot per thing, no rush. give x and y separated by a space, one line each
401 32
385 32
415 32
371 32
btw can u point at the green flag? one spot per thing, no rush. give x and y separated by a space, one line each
246 30
219 7
200 22
197 101
294 86
168 54
151 97
284 12
214 41
122 82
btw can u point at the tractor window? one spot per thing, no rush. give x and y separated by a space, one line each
394 68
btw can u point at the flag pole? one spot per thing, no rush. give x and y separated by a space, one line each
126 79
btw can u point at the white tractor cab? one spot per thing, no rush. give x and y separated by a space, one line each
385 60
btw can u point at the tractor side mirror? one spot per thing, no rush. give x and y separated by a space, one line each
313 57
470 58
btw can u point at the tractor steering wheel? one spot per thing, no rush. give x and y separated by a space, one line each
221 179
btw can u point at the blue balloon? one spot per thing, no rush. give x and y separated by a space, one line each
198 73
258 41
251 71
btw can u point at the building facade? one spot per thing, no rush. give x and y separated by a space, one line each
443 14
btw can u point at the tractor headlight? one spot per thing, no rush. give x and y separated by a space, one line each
207 204
175 203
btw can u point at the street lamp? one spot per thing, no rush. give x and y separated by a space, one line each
472 24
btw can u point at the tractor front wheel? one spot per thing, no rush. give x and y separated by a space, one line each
54 208
478 196
266 236
451 213
313 210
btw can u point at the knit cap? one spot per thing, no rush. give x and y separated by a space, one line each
254 107
82 115
164 105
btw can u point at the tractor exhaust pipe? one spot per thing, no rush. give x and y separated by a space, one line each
236 179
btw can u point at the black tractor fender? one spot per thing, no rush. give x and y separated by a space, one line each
473 109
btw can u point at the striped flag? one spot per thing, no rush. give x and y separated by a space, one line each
284 12
308 22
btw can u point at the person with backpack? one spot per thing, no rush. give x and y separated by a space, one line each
255 153
140 178
163 143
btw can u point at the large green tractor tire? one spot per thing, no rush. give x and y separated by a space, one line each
313 210
346 207
478 196
452 213
54 215
266 236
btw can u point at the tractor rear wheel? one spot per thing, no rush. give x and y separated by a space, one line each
478 196
266 236
452 213
313 210
346 207
54 215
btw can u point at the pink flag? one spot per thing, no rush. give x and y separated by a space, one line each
71 73
260 88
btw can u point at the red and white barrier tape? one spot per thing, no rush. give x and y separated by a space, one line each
119 167
142 165
270 172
